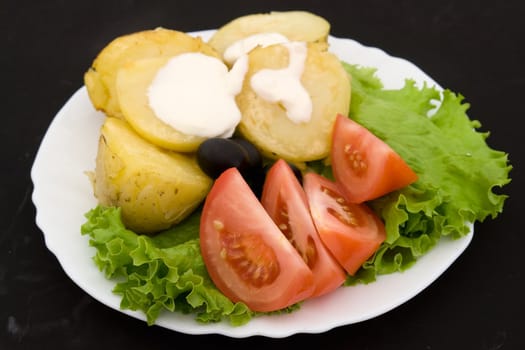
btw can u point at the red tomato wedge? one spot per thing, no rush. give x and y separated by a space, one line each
364 166
246 255
284 199
352 232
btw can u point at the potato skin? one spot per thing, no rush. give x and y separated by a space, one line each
295 25
155 188
267 125
100 77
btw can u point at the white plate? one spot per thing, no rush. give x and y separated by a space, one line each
63 194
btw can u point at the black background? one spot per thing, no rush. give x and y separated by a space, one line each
472 47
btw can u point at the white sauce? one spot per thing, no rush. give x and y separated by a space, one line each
245 45
284 85
195 94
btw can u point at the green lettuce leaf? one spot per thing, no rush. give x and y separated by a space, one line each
163 272
458 172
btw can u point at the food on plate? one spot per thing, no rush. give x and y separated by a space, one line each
285 201
100 77
364 166
242 253
451 192
154 188
294 25
352 232
132 83
321 83
249 259
217 154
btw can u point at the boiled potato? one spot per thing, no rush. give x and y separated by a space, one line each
154 188
295 25
132 83
100 77
266 124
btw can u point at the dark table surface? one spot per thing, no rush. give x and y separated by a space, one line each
472 47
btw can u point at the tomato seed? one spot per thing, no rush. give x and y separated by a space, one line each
218 225
343 218
310 254
249 257
356 158
348 217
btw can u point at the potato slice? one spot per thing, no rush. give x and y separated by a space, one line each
154 188
266 124
132 83
100 77
295 25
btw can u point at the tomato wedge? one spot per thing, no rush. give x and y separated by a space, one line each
364 166
246 255
352 232
284 199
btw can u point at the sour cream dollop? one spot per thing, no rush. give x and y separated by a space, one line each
195 94
245 45
284 86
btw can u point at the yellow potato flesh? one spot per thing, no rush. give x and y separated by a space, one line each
267 125
154 188
160 42
132 84
295 25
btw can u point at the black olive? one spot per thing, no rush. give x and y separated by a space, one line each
253 156
215 155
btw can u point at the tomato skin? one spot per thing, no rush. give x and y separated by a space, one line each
364 166
246 255
285 201
352 232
